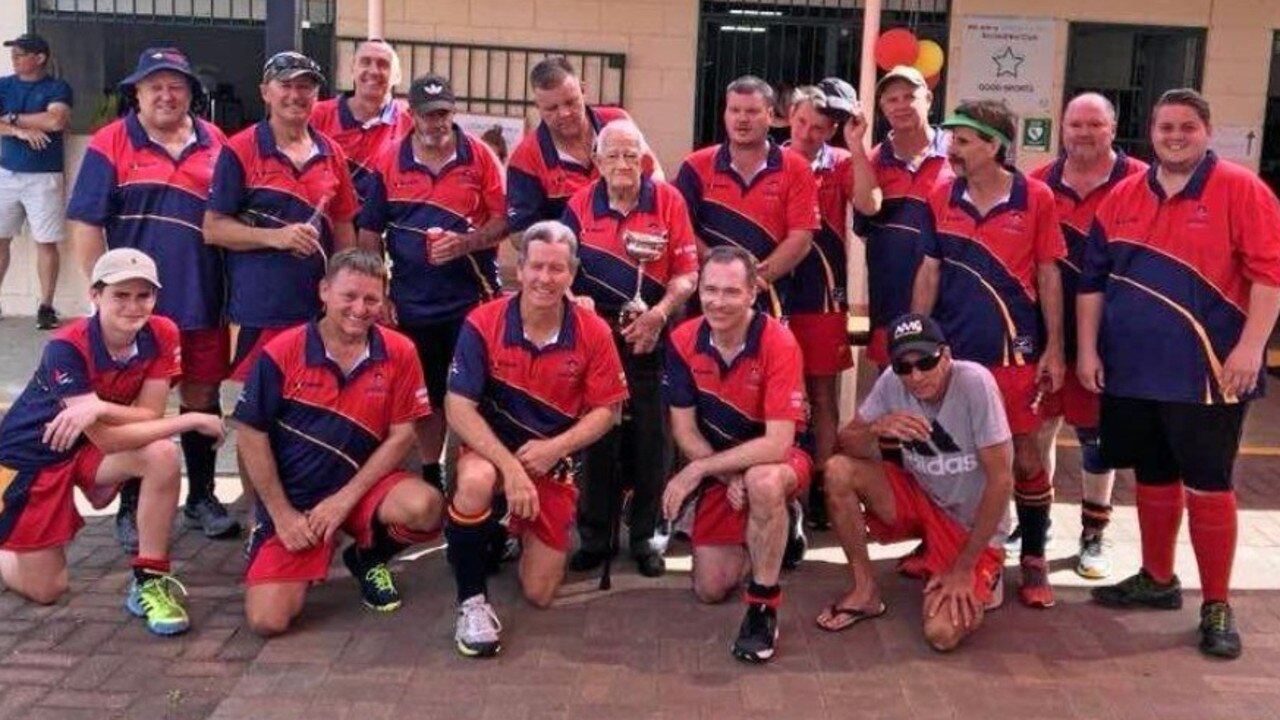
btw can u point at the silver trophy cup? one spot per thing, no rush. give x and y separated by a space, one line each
643 247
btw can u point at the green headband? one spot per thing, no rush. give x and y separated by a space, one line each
958 120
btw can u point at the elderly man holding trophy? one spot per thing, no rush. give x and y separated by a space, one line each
639 266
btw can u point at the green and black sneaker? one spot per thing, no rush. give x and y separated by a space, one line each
377 588
1140 590
1218 635
153 600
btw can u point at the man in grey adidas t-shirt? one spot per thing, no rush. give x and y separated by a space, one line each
953 490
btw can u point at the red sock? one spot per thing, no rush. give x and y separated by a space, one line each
1159 516
160 565
1211 517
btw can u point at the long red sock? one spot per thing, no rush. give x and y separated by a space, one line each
1211 517
1159 516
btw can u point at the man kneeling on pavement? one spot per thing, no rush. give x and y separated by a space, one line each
734 381
953 490
326 420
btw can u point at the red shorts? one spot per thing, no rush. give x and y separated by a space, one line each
557 509
1017 385
205 355
271 562
246 344
915 516
715 522
1077 406
38 508
878 348
824 342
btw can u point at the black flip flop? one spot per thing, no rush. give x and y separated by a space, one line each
854 616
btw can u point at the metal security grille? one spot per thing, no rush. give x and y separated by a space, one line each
1131 65
1269 165
197 12
793 43
493 79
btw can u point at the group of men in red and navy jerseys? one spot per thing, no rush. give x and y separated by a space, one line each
339 259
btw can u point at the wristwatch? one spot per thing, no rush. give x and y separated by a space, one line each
11 119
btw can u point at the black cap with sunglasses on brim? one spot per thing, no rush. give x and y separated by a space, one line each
914 333
290 65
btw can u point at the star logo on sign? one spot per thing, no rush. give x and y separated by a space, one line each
1007 62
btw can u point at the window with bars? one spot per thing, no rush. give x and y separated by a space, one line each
492 79
1132 65
793 43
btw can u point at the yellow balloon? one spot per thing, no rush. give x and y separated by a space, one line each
930 59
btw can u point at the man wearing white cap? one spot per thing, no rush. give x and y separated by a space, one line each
92 417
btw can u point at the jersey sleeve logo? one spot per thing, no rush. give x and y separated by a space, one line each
61 377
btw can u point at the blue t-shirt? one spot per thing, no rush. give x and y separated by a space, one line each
22 97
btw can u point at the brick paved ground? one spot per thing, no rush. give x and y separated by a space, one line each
644 651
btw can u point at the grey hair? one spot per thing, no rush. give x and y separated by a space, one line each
617 127
552 232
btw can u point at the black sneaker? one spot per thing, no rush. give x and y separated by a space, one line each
797 543
377 588
46 318
1218 635
1140 590
758 635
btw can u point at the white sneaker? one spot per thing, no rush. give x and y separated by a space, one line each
476 634
1094 563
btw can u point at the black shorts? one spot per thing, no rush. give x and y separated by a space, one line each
435 343
1168 441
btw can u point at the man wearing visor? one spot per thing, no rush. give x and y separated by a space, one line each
990 277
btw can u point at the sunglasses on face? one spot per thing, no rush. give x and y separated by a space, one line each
924 364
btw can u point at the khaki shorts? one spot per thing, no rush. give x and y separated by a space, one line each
36 198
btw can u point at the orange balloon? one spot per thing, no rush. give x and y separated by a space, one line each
930 58
896 47
932 80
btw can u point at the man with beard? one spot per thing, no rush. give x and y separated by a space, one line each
368 120
437 197
1088 168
